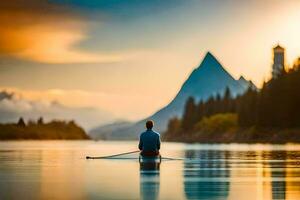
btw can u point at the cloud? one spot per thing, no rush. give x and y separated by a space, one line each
44 32
125 105
5 95
13 106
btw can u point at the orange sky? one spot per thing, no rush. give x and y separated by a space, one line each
96 54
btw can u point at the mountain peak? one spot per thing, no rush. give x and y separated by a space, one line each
209 65
209 56
246 84
210 61
242 78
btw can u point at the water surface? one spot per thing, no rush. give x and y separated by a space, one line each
59 170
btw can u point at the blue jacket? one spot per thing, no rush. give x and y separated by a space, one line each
149 141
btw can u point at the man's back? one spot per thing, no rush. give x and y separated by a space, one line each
149 141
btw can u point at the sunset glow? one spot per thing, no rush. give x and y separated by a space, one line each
101 56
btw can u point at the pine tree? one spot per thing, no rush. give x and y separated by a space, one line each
190 115
174 126
21 122
247 108
200 111
226 101
40 121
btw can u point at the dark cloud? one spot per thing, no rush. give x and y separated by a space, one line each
122 9
5 95
41 7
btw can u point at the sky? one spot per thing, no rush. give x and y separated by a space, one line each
130 57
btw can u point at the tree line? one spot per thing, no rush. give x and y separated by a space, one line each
276 106
39 130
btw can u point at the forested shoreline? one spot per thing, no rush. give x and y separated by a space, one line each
271 114
53 130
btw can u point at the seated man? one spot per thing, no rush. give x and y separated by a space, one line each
149 141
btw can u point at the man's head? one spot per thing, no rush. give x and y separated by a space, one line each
149 124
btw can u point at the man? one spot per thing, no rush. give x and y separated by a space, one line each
149 141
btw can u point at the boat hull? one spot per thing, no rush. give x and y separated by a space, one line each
149 163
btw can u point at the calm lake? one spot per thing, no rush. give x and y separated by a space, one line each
59 170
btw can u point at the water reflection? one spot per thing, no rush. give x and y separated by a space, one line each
278 173
16 170
206 175
292 175
58 170
149 178
285 174
260 172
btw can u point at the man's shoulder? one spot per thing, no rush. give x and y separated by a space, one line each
156 133
152 131
143 133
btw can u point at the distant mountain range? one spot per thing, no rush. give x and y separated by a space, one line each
210 78
108 131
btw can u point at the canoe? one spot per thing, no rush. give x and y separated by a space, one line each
149 163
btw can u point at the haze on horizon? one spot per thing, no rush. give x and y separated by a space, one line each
130 57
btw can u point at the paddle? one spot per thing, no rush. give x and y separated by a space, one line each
105 157
126 153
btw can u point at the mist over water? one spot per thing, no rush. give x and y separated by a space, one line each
59 170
